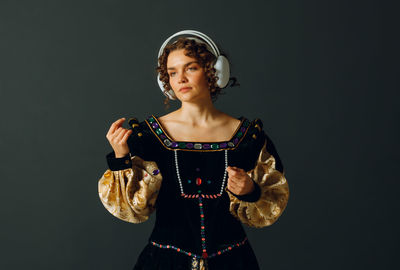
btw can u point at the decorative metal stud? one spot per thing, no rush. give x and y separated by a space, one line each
197 146
167 142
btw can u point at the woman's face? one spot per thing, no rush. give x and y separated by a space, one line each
186 77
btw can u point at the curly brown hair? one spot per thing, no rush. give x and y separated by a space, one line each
205 58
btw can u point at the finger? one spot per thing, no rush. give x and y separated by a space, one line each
115 126
234 181
239 170
236 169
240 174
126 136
239 181
114 136
230 169
121 135
232 186
233 173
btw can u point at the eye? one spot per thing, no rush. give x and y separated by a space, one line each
192 68
172 73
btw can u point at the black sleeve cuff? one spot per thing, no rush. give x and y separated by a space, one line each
250 197
116 164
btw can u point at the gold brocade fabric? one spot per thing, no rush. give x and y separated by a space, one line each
274 194
130 194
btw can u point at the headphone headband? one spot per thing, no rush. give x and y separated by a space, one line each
208 41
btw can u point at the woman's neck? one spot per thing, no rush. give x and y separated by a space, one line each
196 113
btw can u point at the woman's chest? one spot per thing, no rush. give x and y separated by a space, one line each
217 132
195 173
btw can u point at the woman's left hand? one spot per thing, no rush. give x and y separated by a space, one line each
239 182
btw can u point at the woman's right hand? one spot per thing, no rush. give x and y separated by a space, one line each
117 136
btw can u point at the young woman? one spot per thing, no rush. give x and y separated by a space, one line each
204 172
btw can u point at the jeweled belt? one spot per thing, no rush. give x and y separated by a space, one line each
199 262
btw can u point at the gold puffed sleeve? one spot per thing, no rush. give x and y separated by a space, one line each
274 194
130 194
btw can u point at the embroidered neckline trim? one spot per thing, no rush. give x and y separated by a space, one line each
157 129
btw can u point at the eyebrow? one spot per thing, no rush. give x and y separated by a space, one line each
171 68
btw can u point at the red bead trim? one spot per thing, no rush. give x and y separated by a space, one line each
204 254
205 196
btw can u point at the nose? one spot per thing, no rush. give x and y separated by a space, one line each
182 78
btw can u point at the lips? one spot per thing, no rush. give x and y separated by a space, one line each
185 88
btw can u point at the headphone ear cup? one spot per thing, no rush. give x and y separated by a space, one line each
222 70
170 94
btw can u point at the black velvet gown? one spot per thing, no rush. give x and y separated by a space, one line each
198 220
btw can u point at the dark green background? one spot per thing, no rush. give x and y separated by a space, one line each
316 72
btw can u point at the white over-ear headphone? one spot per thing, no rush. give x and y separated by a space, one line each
221 65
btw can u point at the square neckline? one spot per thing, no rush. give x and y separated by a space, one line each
168 142
241 118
